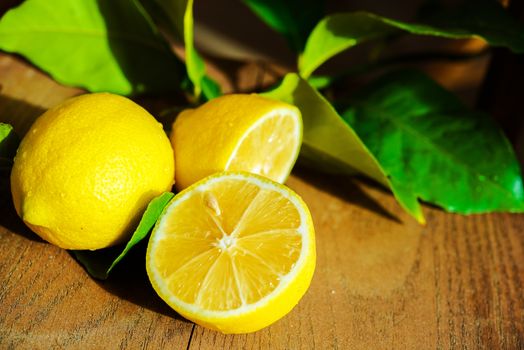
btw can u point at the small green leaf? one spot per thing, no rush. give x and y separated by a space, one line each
99 45
180 14
292 18
210 88
8 141
99 263
433 148
331 145
8 145
5 131
196 68
320 82
342 31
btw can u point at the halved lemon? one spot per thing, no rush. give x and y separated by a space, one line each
235 252
237 132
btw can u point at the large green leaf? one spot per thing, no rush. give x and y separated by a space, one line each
180 15
99 45
433 148
99 263
330 144
294 19
339 32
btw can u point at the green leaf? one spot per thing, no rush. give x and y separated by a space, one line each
210 88
433 148
484 18
292 18
320 82
8 141
8 145
341 31
99 45
330 144
180 14
99 263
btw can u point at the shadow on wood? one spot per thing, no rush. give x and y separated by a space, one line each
129 281
20 114
9 219
344 187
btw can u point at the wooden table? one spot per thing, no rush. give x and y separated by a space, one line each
382 281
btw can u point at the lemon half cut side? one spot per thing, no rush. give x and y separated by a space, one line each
234 252
270 146
237 132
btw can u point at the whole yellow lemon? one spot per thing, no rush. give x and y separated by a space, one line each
87 169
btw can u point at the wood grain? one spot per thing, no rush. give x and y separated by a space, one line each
382 280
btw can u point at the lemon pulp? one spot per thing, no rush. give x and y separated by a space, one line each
234 247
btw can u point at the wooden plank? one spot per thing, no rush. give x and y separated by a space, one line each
382 280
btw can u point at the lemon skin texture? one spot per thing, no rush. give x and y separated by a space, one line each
87 169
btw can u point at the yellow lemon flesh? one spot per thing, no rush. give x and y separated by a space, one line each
236 132
234 252
87 169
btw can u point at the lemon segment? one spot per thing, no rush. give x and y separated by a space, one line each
239 133
234 252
